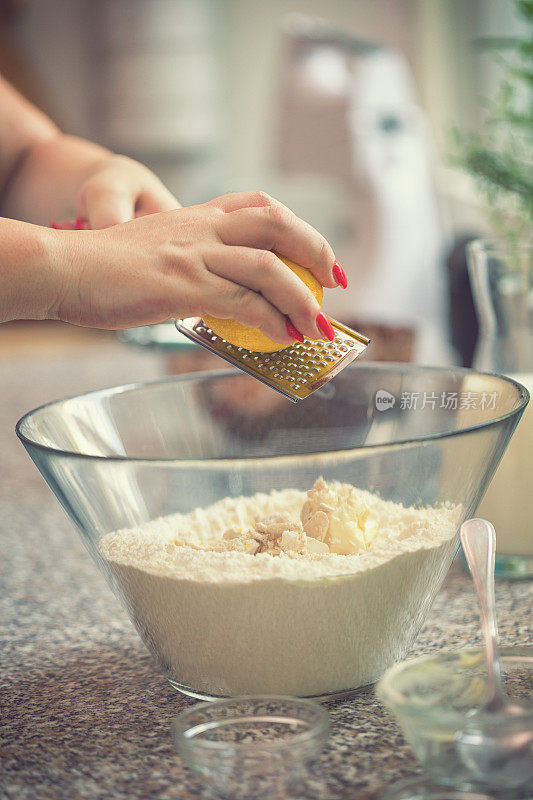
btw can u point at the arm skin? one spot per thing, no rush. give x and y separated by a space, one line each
41 170
24 262
29 282
46 175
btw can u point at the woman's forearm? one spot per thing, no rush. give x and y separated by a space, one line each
30 284
41 169
47 179
48 176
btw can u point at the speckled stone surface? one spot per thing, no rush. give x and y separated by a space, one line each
84 712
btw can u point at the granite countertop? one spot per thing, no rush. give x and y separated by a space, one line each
84 712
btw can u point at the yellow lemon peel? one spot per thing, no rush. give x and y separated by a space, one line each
252 338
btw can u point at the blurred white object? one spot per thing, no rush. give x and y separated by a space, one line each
350 110
142 77
161 88
389 135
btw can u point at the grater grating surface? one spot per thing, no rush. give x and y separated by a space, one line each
296 371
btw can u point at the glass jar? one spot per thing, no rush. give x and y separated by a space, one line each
501 273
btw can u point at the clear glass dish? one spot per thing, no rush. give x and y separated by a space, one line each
122 457
431 698
251 746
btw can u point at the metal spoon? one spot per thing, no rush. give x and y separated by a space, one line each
499 754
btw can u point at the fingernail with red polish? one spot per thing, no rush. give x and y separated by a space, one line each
340 275
78 222
54 225
325 326
294 332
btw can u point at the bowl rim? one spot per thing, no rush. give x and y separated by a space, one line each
224 461
396 702
318 730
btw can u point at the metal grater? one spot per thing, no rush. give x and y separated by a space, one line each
296 371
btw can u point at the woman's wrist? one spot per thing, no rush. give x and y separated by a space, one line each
33 271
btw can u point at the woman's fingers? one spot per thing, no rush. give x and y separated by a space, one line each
236 200
104 205
276 228
122 190
230 300
239 201
153 201
265 273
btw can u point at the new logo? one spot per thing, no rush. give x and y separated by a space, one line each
384 400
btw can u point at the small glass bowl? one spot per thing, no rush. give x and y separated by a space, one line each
257 746
431 698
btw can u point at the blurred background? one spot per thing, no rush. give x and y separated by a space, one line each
343 110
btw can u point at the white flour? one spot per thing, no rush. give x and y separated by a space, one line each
229 623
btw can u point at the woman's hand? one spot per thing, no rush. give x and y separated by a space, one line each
216 258
120 189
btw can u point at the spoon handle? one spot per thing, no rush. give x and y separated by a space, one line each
478 538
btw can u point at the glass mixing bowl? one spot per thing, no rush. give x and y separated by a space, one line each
122 457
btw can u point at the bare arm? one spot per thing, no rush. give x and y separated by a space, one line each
46 175
21 126
41 170
29 272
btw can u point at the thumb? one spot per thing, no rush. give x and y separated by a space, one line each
105 207
153 201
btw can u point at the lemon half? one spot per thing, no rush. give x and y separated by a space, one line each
252 338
